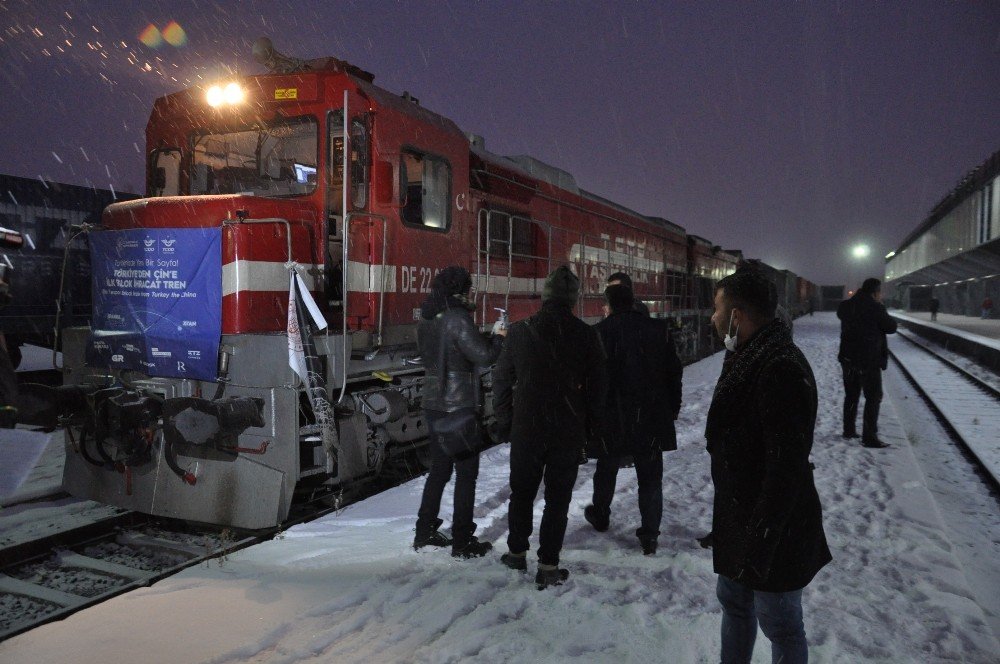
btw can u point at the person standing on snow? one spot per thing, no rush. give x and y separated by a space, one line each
864 355
987 307
767 523
644 398
549 390
452 348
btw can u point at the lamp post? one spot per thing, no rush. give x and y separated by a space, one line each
860 253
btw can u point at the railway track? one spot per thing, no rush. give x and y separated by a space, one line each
51 578
967 406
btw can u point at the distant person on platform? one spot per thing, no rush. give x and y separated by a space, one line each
549 390
644 398
987 307
9 359
452 348
864 355
767 523
935 305
620 278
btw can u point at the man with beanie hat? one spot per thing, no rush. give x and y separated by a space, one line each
549 390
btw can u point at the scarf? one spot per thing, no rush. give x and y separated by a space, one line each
739 370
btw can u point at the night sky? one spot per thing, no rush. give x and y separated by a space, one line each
789 130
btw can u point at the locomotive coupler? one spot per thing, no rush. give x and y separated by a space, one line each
194 421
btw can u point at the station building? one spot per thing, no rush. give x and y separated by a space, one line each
954 255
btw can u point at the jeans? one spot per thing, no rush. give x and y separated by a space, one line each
856 380
780 618
466 473
649 473
528 467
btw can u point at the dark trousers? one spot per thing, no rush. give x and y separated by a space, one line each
649 473
528 467
779 616
856 381
466 473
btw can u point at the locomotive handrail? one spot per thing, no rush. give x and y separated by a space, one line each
351 216
268 220
545 227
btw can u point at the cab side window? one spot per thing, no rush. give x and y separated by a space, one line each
425 190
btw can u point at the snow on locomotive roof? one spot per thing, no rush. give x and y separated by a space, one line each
557 177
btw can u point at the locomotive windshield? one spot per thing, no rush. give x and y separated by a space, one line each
275 158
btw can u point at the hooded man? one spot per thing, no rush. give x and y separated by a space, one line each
767 523
549 390
864 355
452 348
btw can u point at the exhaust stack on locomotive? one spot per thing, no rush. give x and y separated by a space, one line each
254 324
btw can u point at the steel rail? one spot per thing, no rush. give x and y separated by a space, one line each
976 380
943 419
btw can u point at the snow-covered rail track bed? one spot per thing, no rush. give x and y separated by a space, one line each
966 404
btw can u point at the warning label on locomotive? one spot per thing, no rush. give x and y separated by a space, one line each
286 93
157 301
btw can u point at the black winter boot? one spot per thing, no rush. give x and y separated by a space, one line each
471 549
647 543
600 521
436 538
550 575
431 537
519 563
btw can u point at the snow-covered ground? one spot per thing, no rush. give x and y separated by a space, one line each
25 514
348 588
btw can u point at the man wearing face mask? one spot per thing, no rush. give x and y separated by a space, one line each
767 526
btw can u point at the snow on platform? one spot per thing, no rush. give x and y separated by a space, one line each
348 587
982 331
25 515
37 358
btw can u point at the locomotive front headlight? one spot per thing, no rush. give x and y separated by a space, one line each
233 93
215 96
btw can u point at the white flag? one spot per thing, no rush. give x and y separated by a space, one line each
296 356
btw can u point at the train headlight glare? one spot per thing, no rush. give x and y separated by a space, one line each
233 93
215 96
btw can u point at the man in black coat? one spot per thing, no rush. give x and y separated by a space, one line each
864 355
452 348
644 398
767 522
622 279
549 390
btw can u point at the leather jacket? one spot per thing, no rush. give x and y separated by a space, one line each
452 348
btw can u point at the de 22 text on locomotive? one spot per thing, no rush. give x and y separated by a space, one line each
254 322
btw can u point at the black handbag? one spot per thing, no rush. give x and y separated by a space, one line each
458 434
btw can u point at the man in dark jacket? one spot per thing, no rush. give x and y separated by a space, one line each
452 348
549 389
767 522
644 398
622 279
864 354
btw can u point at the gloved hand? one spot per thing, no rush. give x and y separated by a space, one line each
499 328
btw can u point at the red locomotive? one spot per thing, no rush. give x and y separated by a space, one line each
313 173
